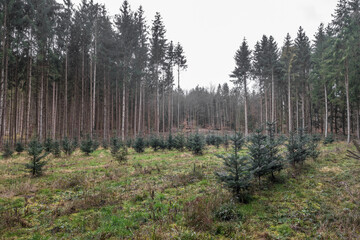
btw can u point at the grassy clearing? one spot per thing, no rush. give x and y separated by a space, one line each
160 196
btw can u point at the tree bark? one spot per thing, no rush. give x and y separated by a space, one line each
105 107
66 96
28 111
3 78
82 91
140 109
326 111
54 111
40 124
123 112
347 101
178 99
246 116
289 102
135 109
272 96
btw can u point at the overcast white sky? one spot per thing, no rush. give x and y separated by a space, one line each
211 31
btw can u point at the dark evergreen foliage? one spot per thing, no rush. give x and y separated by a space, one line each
170 144
264 153
329 139
139 144
115 145
301 146
226 142
296 149
196 144
56 149
238 141
36 164
120 154
129 143
7 150
180 142
87 145
48 145
316 138
105 144
237 174
95 144
19 147
75 143
155 143
67 146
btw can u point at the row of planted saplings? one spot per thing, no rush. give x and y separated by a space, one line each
119 149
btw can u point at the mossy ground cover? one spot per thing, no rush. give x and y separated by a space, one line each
175 195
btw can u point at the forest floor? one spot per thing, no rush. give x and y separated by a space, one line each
159 195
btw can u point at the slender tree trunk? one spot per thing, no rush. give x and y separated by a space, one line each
266 106
28 111
105 107
135 108
326 111
117 108
15 117
3 78
358 122
54 111
66 96
303 110
297 111
289 101
178 99
82 91
22 114
123 112
40 125
94 84
140 109
157 102
347 102
261 110
169 110
246 107
163 110
272 97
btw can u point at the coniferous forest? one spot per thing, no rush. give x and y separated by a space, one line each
69 71
99 140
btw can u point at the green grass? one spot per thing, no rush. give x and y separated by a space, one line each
153 195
